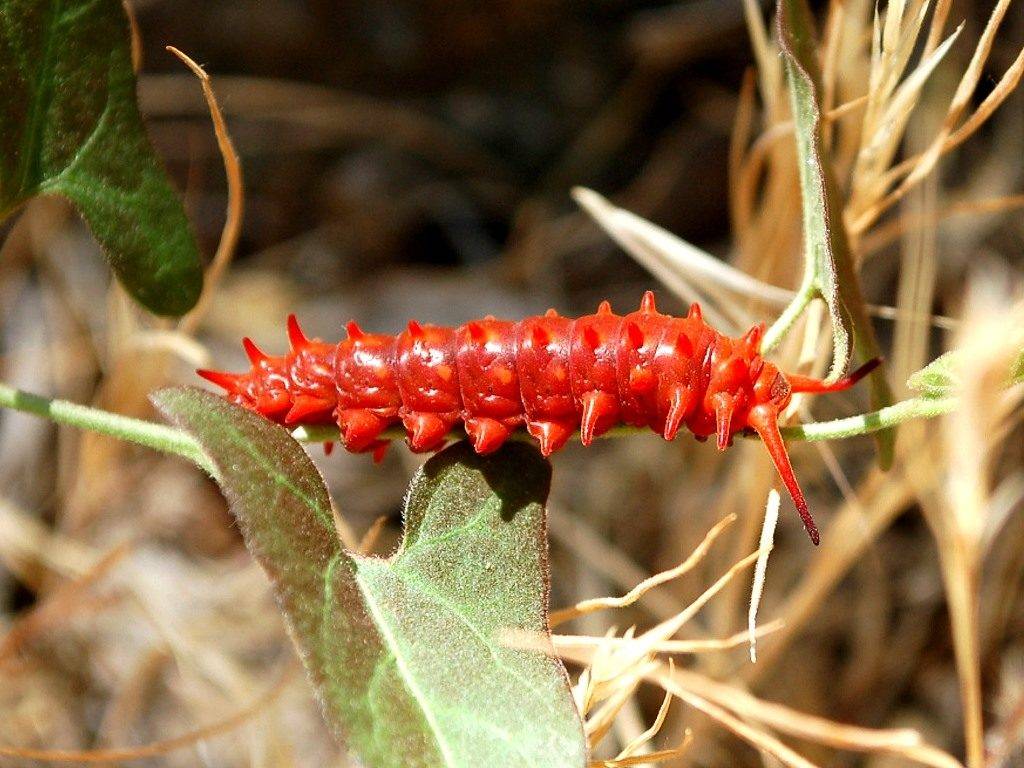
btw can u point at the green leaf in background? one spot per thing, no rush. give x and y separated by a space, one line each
830 268
941 377
406 653
70 126
1017 370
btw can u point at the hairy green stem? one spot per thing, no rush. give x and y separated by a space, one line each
778 330
157 436
170 440
837 429
890 416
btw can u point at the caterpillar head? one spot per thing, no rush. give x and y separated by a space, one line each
264 388
294 388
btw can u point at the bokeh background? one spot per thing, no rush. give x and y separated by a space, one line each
415 159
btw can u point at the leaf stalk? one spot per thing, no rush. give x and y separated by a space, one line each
159 437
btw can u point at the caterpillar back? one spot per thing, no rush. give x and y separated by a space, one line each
552 375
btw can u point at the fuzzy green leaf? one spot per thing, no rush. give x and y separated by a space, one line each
70 126
830 267
940 378
407 653
797 38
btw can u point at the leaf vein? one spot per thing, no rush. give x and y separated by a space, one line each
392 642
414 581
31 142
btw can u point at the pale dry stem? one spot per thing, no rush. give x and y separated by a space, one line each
236 200
597 604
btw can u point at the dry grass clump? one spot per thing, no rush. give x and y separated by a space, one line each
615 665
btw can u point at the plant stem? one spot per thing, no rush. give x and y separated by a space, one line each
157 436
852 426
777 331
905 410
171 440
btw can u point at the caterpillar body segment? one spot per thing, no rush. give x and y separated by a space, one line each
552 375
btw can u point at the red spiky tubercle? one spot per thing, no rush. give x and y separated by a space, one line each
549 373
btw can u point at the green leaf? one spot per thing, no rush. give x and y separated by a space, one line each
1017 370
407 653
70 126
940 378
820 236
830 270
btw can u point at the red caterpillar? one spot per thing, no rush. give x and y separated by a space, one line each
551 373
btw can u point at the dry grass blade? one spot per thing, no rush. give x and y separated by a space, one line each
25 543
749 718
577 642
648 242
668 628
644 738
600 677
884 143
658 756
888 233
889 102
629 756
679 258
615 666
615 690
959 507
608 561
740 206
939 17
156 748
769 68
236 200
598 604
906 743
764 549
668 258
757 738
1007 84
917 168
